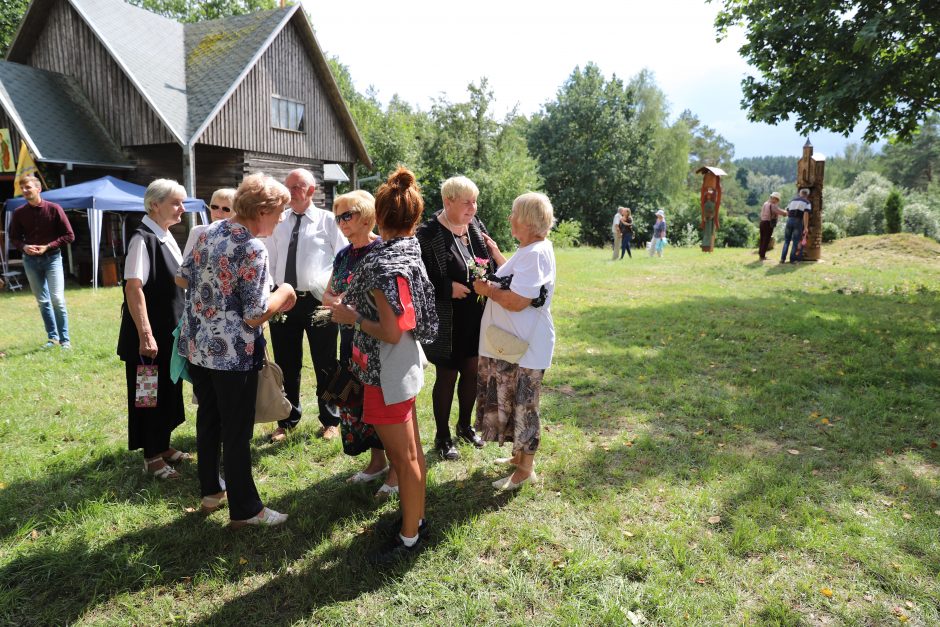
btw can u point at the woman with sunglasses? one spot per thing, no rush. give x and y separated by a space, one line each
220 208
355 215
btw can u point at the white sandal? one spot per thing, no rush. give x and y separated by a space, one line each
365 477
266 518
386 491
164 472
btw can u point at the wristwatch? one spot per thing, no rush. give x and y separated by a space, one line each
358 325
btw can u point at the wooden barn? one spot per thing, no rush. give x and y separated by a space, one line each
99 87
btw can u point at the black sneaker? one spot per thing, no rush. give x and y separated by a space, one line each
396 551
468 435
447 450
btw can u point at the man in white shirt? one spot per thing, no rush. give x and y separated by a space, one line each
301 252
616 229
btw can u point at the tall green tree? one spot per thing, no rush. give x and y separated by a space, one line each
833 65
11 14
893 211
188 11
842 170
669 142
915 164
593 155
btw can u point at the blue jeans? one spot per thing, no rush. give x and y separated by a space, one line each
47 281
792 234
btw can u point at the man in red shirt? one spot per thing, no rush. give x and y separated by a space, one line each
40 229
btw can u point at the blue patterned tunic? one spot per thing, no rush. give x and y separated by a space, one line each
227 274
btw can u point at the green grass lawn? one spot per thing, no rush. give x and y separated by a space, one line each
725 442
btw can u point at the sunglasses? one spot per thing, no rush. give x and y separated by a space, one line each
346 217
220 208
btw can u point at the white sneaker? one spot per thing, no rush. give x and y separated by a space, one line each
267 518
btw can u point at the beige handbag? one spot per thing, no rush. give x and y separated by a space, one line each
503 344
271 403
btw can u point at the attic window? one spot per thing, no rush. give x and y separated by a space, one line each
287 114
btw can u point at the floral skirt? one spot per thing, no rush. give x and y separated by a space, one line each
358 437
508 404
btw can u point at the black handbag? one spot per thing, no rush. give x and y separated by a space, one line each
344 388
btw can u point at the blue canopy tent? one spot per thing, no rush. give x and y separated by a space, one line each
98 196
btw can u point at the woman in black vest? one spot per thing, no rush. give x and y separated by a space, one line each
452 242
152 307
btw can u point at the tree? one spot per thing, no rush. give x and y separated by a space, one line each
669 142
189 11
593 155
915 164
841 171
11 14
893 211
834 64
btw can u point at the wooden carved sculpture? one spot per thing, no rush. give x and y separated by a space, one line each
809 174
711 203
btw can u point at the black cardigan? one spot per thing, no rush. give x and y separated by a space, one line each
163 297
433 237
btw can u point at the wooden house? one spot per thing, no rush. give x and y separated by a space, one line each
100 87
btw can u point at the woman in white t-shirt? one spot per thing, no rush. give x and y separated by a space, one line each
520 297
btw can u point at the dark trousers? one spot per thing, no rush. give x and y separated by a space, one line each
224 423
766 232
149 428
625 244
287 338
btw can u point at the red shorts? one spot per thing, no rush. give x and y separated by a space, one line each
376 412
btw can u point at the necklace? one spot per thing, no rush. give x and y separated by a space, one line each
465 237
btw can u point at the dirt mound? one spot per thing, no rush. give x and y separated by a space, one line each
898 244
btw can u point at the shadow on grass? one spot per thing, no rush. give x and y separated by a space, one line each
193 548
786 416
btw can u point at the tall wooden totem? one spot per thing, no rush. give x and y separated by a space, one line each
809 174
710 199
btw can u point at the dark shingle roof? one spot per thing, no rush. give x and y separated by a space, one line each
56 116
218 52
150 48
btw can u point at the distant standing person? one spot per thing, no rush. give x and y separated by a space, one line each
626 231
615 227
301 252
768 222
797 224
659 234
40 229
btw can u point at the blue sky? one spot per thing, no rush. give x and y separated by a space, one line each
421 49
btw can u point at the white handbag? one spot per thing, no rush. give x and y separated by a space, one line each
503 344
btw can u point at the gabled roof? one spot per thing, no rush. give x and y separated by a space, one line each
218 53
149 48
63 129
188 72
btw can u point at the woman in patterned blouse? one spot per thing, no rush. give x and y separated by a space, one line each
222 338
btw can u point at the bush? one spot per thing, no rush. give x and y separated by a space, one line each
894 207
919 219
566 234
831 232
736 232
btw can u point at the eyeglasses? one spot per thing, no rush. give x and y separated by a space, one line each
346 217
220 208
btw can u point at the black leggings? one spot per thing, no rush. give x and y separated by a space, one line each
443 396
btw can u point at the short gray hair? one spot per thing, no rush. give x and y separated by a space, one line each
535 211
804 191
307 176
160 190
459 187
